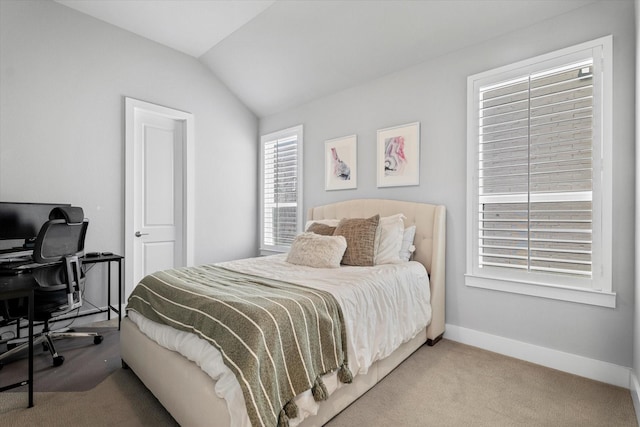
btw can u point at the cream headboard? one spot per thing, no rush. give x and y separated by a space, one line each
430 222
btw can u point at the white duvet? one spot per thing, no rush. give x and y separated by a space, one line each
383 306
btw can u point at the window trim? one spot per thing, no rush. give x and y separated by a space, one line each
601 272
298 131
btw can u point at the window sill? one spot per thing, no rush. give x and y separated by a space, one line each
266 252
577 295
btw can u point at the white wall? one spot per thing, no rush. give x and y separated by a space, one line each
434 93
63 79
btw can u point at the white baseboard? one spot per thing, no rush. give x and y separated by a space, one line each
634 386
578 365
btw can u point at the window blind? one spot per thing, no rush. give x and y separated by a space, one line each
280 191
535 172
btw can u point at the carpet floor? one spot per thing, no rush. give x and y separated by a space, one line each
450 384
84 367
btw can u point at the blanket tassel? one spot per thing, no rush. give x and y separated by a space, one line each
283 420
290 410
319 390
344 374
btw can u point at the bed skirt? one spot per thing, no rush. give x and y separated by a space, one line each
188 393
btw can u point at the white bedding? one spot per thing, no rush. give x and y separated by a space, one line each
383 306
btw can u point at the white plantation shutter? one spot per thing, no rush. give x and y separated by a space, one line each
535 172
538 210
281 190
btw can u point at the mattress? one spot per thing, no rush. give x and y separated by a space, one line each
383 306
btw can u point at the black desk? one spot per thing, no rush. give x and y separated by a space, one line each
109 259
19 286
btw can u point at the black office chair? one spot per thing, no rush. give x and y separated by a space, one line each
57 251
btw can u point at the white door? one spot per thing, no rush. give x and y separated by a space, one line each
158 190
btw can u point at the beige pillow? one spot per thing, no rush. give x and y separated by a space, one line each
322 229
361 235
314 250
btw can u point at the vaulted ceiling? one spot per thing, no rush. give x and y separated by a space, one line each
278 54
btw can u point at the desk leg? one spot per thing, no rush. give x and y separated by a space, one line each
108 290
119 292
31 309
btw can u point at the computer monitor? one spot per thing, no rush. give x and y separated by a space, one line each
22 222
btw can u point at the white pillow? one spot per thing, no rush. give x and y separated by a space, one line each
329 222
391 231
407 248
314 250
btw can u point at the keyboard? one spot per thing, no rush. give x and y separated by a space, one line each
14 267
15 253
19 266
14 261
10 272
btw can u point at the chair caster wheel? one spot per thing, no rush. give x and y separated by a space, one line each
58 360
98 339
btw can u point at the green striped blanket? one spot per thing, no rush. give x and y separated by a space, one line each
277 338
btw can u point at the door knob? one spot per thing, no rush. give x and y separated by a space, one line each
138 234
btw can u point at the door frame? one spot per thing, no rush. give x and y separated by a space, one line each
132 106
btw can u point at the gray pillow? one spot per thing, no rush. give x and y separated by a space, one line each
322 229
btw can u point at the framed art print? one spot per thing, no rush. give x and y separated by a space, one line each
340 163
398 161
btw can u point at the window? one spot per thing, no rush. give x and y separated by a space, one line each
281 183
539 184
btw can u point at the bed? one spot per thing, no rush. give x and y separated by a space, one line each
189 393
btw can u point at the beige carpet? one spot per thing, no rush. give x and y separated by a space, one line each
453 384
120 400
85 364
450 384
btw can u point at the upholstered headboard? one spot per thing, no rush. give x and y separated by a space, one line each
430 241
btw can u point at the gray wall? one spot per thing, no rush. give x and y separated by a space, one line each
636 334
63 79
434 93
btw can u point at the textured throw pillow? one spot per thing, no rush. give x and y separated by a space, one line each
407 249
391 230
314 250
361 235
322 229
